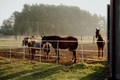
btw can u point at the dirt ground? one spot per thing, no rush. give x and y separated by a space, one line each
85 52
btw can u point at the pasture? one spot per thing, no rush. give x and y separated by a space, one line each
15 69
16 64
86 51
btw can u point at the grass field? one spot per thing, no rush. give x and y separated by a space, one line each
14 69
18 69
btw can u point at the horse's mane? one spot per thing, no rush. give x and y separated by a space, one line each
100 37
31 39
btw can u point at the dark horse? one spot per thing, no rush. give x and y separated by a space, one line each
100 42
34 45
57 42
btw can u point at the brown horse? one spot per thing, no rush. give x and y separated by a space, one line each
100 42
34 45
57 42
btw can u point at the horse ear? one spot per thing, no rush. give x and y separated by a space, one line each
96 29
42 36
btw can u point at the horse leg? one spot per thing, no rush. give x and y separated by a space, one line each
74 57
29 53
47 55
102 51
57 54
33 53
98 51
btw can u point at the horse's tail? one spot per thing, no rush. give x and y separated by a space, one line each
76 44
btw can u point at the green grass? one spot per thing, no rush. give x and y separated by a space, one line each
10 43
11 69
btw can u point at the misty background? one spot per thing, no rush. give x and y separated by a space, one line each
46 19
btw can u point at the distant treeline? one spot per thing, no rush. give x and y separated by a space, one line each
40 19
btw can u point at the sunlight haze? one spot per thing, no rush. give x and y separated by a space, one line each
7 7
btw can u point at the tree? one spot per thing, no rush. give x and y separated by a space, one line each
37 19
7 26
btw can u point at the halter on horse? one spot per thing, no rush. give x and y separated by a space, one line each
100 42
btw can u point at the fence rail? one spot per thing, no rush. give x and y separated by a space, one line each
83 49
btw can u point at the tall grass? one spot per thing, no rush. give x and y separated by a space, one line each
12 69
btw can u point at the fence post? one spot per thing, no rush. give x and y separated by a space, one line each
40 52
82 52
57 51
81 38
10 48
24 52
93 39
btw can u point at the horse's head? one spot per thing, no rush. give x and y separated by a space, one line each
25 41
44 40
97 32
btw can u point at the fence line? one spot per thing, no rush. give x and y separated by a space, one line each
69 41
81 49
55 49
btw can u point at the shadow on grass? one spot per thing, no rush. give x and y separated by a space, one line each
34 74
98 75
42 74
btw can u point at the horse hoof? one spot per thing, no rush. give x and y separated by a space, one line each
56 61
73 61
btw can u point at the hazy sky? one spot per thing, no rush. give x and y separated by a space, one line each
7 7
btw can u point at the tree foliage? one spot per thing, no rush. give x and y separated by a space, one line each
40 19
7 27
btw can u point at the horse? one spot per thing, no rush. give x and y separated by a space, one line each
34 45
100 42
27 42
57 42
46 49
